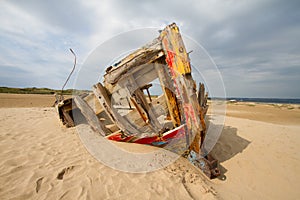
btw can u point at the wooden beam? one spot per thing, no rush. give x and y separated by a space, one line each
145 75
120 121
179 68
67 118
201 92
163 110
157 101
176 55
144 55
168 89
92 101
139 96
90 116
112 127
140 110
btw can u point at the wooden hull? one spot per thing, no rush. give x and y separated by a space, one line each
119 110
177 133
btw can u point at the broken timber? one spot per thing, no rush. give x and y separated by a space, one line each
118 108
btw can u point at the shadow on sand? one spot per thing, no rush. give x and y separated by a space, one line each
228 145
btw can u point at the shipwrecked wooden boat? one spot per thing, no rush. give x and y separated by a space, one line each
121 108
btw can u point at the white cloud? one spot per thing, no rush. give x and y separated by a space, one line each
253 42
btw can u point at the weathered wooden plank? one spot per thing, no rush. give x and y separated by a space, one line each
90 116
120 99
140 98
92 101
67 118
142 74
146 54
154 44
161 100
67 104
145 75
163 110
185 88
140 110
176 55
146 87
115 117
201 92
168 89
112 127
205 107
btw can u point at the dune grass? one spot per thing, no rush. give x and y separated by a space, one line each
34 90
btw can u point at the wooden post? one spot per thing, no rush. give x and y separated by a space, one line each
129 104
168 89
185 89
146 87
201 92
140 98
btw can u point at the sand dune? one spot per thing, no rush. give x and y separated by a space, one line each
41 159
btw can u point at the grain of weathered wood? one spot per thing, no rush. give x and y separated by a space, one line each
176 55
145 75
90 116
144 55
168 90
185 88
112 127
201 92
67 118
160 106
141 100
115 117
92 101
140 110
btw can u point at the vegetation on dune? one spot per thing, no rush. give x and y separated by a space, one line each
34 90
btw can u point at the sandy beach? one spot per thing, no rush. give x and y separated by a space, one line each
41 159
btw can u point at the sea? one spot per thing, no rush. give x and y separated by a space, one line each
263 100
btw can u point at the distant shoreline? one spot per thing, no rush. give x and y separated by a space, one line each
260 100
35 90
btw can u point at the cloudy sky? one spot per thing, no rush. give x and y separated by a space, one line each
255 44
